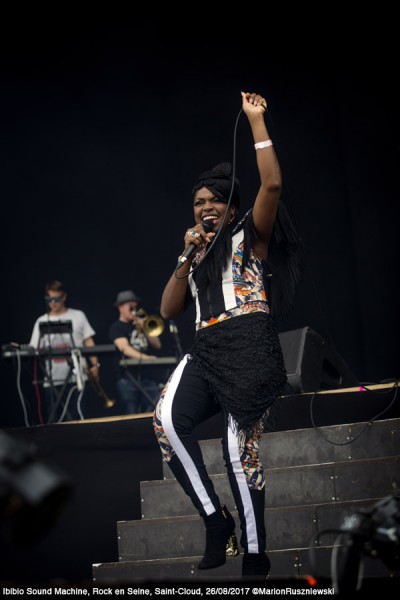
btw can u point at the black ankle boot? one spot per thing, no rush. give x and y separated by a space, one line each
220 539
255 566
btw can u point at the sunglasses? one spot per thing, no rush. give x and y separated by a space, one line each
53 298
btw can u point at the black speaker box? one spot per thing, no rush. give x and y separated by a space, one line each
312 365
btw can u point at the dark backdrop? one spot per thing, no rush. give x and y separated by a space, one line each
104 129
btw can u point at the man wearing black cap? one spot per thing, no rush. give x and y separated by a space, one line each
129 337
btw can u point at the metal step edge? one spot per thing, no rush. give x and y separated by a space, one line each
271 509
296 554
358 461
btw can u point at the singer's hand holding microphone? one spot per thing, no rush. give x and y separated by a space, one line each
196 238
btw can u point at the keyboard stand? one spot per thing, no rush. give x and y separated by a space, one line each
57 398
57 392
139 387
48 328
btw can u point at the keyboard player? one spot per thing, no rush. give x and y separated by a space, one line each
63 379
135 392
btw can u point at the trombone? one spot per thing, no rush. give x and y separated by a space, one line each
153 325
98 388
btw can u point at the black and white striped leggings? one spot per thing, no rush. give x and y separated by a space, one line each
187 401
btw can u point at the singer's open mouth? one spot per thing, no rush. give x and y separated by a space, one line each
210 218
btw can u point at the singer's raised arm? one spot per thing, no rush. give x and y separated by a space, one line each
266 203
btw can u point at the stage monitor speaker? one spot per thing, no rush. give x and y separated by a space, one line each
312 364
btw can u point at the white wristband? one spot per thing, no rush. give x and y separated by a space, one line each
265 144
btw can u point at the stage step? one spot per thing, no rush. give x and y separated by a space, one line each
286 565
176 537
291 486
334 443
314 479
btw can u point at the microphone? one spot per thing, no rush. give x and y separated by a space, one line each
207 226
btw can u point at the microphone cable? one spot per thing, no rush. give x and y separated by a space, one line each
306 262
227 205
20 393
367 424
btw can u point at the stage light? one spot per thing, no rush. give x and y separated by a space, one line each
373 532
32 493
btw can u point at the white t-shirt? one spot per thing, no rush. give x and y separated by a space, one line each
81 330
